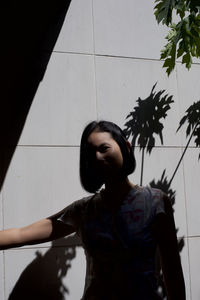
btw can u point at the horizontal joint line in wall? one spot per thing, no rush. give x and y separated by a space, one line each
107 55
44 247
117 56
77 146
163 146
70 52
49 146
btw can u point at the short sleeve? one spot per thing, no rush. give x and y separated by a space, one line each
72 214
158 201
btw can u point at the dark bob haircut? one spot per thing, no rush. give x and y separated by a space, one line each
91 180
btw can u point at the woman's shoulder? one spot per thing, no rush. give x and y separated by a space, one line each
73 212
149 191
81 203
154 198
159 199
155 193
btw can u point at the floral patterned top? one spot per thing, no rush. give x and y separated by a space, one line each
120 246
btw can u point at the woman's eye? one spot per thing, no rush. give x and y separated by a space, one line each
103 149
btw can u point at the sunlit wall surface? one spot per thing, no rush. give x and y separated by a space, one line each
105 59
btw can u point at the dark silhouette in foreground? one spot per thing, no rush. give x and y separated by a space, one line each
30 31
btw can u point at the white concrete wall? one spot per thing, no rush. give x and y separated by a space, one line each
107 55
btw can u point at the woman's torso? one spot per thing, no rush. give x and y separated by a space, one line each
120 247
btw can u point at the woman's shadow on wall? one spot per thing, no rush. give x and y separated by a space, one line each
43 277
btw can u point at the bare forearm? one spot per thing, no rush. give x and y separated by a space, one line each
35 233
39 232
9 237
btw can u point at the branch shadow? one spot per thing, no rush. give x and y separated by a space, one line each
30 31
43 277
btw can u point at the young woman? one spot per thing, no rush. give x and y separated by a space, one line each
120 226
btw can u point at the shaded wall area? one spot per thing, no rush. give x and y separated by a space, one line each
43 277
30 31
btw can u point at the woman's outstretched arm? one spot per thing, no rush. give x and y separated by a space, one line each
169 253
39 232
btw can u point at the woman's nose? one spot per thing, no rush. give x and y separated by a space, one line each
99 156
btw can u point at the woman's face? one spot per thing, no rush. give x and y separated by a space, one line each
105 154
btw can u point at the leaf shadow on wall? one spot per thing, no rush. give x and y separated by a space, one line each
145 121
142 125
43 277
30 31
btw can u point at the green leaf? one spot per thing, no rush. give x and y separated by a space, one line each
194 32
170 61
180 52
163 11
197 42
180 7
183 39
167 63
165 52
187 60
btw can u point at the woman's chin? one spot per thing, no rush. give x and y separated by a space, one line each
109 176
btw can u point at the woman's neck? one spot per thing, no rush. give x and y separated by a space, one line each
117 190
